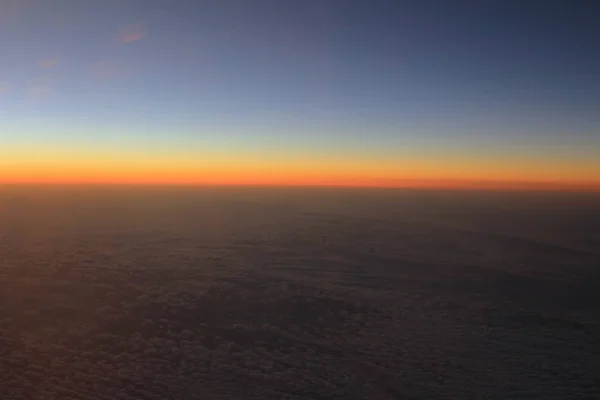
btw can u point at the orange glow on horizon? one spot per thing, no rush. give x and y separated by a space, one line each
41 166
287 178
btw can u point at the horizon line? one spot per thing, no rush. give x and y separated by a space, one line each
428 185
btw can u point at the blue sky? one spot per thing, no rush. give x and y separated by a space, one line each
336 74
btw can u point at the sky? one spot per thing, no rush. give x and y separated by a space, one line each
311 92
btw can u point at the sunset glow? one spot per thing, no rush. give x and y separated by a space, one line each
139 96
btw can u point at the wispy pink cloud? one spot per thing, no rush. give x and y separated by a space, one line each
48 63
107 69
3 89
40 90
132 33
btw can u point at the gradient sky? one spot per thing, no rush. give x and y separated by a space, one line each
378 93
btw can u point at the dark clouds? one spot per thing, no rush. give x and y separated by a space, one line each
181 294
